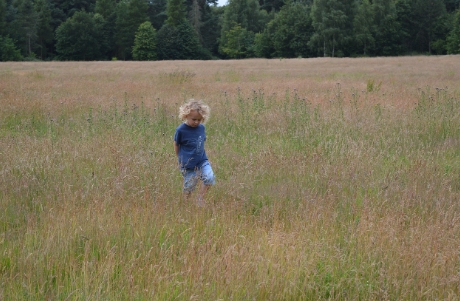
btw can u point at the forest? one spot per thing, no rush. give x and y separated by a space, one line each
147 30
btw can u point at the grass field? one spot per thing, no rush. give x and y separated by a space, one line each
337 179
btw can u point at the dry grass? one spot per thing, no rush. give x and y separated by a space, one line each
338 179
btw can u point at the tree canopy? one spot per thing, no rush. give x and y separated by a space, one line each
199 29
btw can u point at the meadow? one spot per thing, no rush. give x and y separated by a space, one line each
337 179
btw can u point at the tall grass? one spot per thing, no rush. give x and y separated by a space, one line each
336 180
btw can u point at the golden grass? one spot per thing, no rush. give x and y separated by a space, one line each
337 179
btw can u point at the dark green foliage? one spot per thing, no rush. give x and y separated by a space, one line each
81 38
176 12
427 14
291 30
107 9
23 29
210 28
157 13
363 28
144 48
261 28
405 18
180 43
453 40
8 51
247 15
45 37
332 20
130 14
3 17
238 43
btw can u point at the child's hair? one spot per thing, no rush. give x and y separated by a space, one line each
194 105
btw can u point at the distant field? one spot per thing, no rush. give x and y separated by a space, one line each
337 179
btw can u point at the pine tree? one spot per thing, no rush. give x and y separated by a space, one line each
176 12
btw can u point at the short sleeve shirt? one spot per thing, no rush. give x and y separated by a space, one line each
191 145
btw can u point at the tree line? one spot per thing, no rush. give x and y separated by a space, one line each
200 30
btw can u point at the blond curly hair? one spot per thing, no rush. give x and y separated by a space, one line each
194 105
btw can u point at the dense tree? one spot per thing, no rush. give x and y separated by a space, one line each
80 38
405 18
452 5
157 13
24 27
453 39
239 43
241 13
3 30
45 37
332 22
129 16
387 30
291 30
8 51
180 43
144 48
210 29
427 13
178 40
70 7
195 18
363 24
107 9
176 12
198 29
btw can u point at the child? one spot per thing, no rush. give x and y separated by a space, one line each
189 147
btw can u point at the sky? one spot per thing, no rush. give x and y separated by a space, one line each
221 2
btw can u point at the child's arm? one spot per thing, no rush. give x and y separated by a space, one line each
176 148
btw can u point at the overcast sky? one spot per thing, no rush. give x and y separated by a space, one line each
221 2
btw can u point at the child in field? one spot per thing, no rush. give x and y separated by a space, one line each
189 142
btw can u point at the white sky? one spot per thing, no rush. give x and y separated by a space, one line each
221 2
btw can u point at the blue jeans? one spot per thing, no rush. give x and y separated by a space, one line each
191 176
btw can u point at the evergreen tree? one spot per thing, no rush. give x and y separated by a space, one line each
180 43
8 51
157 13
144 48
176 12
24 27
129 16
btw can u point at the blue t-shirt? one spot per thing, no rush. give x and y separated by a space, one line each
191 145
